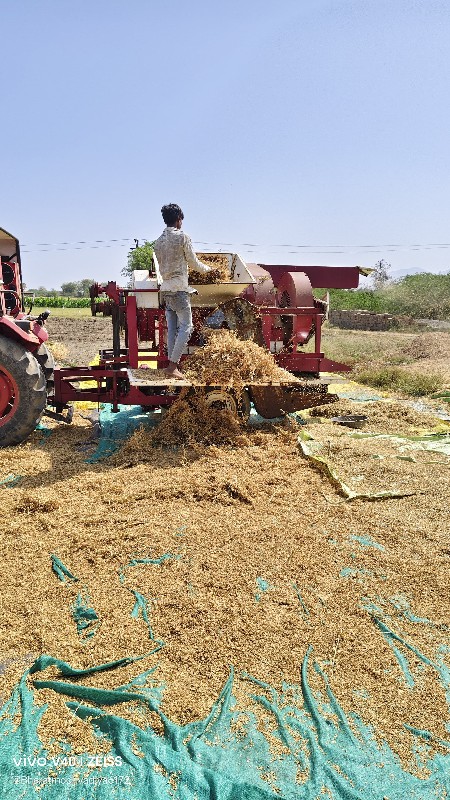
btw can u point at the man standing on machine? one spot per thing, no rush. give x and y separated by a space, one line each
175 255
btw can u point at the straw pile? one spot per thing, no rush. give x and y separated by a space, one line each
225 361
228 361
220 272
58 350
191 420
228 516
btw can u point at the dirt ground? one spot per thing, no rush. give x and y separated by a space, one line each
428 351
80 337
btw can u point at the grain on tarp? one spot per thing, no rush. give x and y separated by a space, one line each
228 515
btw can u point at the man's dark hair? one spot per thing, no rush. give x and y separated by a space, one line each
171 214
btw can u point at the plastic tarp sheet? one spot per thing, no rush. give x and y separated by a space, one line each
321 751
224 756
306 445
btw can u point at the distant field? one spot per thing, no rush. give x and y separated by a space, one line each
69 312
406 362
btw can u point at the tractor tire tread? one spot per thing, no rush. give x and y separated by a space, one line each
31 381
47 364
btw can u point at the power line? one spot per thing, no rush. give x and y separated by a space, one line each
50 246
328 246
306 249
89 247
82 241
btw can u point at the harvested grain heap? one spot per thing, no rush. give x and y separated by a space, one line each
228 361
238 556
225 361
220 269
191 420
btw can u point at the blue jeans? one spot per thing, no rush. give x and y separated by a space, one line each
179 323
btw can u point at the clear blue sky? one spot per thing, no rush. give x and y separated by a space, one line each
321 123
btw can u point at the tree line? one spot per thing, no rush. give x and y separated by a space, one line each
69 289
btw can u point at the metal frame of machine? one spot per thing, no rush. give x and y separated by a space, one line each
273 305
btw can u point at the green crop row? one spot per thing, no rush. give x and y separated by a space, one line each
62 302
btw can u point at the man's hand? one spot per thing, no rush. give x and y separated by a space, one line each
214 274
206 276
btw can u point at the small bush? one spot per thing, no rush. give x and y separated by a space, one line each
349 300
394 378
423 295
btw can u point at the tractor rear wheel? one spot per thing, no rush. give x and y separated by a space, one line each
23 392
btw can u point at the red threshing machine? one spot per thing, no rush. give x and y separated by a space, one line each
273 305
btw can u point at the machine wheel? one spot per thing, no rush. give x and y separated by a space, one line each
47 364
23 392
237 404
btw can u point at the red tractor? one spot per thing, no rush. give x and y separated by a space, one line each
26 365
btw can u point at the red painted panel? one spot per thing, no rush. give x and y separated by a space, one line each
320 277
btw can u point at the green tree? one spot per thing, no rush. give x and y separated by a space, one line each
42 291
84 286
69 289
139 258
77 288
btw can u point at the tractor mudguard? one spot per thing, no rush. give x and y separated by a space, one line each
31 341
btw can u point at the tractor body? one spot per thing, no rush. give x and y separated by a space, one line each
26 365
